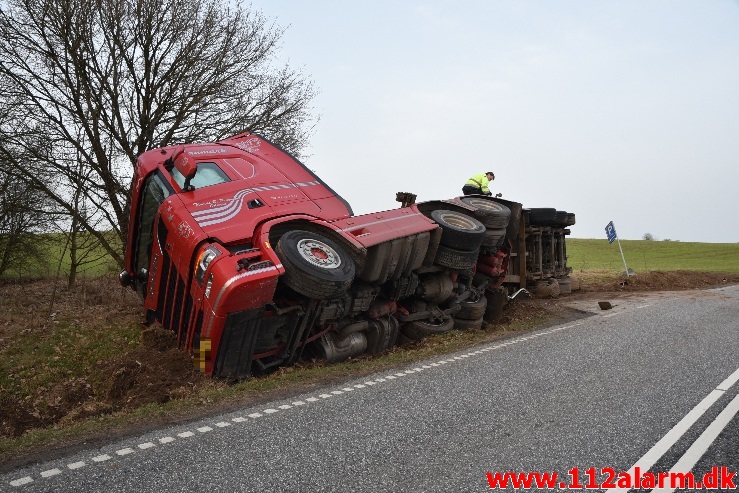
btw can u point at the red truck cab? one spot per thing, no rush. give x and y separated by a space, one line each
251 259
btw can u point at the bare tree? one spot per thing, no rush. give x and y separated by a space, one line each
98 82
648 237
23 214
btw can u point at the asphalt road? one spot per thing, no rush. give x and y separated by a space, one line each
607 391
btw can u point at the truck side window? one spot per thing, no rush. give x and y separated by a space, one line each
208 174
154 193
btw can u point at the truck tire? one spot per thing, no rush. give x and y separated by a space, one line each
420 329
492 214
458 230
472 310
560 218
494 238
565 287
542 216
465 324
570 221
456 259
314 265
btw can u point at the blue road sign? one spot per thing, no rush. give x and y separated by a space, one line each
611 232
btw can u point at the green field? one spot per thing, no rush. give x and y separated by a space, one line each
53 247
644 256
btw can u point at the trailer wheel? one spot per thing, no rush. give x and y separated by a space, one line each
472 310
458 230
456 259
542 216
314 265
419 329
491 214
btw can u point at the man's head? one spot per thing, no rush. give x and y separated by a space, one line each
491 175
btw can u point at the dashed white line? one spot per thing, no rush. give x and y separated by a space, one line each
205 429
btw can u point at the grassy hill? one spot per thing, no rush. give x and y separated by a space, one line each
644 256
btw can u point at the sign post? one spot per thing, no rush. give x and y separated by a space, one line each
611 234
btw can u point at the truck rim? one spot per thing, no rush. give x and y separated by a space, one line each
319 254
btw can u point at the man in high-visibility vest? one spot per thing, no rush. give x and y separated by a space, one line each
479 184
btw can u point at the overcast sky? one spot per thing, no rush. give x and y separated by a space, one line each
624 111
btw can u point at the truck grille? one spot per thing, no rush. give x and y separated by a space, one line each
175 307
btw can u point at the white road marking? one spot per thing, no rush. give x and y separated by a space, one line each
663 445
21 481
699 447
204 429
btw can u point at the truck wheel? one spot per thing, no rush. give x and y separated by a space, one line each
314 265
419 329
491 214
464 324
494 238
456 259
472 310
458 230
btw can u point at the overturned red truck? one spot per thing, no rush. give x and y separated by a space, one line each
254 262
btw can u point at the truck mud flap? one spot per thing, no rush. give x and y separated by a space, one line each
237 344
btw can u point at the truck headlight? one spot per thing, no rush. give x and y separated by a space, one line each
208 255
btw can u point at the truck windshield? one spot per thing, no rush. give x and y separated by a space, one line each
208 174
153 194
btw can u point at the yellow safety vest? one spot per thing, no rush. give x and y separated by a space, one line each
480 180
